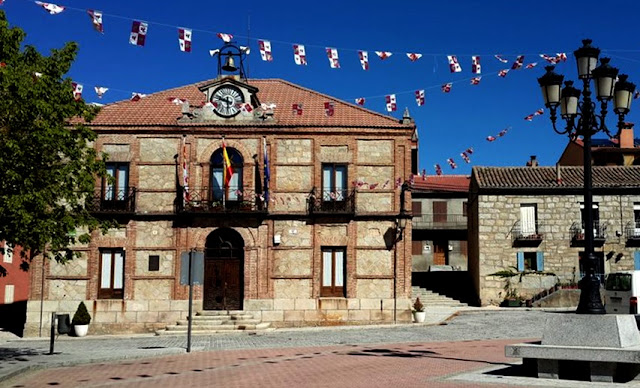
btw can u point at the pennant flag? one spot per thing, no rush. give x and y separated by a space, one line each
446 88
548 58
384 54
529 118
420 97
391 102
267 170
100 90
138 33
561 57
360 101
636 95
245 49
265 50
499 57
184 39
185 171
531 65
332 53
246 108
137 96
539 112
465 157
503 132
469 151
37 75
414 56
226 38
503 73
490 138
227 170
299 55
51 8
475 80
77 90
438 169
176 101
297 109
329 109
364 59
214 52
454 66
475 65
96 19
452 163
373 186
518 63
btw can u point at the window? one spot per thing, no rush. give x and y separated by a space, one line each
439 211
9 290
528 219
530 261
154 263
333 272
234 190
416 247
116 188
465 208
416 208
7 253
334 182
636 217
111 274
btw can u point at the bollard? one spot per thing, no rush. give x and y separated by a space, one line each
53 332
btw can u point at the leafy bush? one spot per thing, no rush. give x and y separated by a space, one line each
81 317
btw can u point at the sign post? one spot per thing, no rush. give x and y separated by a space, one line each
192 272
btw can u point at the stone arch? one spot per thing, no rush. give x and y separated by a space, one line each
200 236
205 156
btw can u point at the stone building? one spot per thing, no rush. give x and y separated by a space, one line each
316 242
529 220
621 151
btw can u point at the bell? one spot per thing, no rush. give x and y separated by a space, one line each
229 64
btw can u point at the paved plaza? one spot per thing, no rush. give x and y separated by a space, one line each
453 353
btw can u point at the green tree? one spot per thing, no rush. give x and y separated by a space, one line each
47 164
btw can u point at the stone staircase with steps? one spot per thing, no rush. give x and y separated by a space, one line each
216 321
433 299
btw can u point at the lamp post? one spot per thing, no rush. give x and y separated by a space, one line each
582 120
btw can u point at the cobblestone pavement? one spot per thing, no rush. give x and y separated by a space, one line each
17 356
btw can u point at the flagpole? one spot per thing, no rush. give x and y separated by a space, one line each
224 175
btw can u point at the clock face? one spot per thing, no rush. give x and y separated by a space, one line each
227 100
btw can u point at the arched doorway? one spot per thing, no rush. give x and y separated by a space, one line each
223 270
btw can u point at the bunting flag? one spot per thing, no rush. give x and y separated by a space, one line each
137 96
100 90
384 54
419 97
475 65
226 38
296 109
465 157
185 171
539 112
214 52
438 169
636 95
446 88
53 9
176 101
503 132
503 73
424 174
531 65
138 33
96 20
452 163
332 54
267 170
360 101
373 186
265 50
77 90
329 109
227 170
529 117
184 39
490 138
475 80
499 57
364 59
414 56
454 66
518 63
561 57
469 151
299 55
37 75
246 108
391 102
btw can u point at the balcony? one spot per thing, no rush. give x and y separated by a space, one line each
111 201
632 232
526 234
339 202
439 221
577 233
200 200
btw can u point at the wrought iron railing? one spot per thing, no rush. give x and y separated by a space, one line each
526 231
599 231
203 200
632 230
332 202
112 200
439 221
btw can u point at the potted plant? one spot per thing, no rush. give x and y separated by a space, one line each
418 311
81 320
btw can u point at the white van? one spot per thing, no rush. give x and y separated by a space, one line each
621 292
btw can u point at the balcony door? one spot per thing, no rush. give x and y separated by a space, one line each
527 220
440 250
115 188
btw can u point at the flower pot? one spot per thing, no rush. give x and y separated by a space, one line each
80 330
419 316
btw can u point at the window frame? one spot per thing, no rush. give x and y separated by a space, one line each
524 231
333 290
339 197
111 292
220 194
115 196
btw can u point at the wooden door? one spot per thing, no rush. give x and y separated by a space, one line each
223 271
440 249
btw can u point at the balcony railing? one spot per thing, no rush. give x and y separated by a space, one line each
599 232
202 200
339 202
526 233
110 200
439 221
632 230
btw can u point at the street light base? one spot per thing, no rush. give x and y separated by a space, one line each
590 300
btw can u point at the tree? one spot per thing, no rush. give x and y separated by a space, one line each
47 164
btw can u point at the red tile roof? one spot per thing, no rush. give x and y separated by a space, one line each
442 183
156 110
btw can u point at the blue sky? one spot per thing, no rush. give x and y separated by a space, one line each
447 123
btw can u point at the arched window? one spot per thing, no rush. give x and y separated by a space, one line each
234 189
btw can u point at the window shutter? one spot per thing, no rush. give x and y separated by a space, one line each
540 261
416 247
636 260
416 208
439 211
520 257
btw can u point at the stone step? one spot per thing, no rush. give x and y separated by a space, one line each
206 322
430 298
199 328
210 332
239 317
220 312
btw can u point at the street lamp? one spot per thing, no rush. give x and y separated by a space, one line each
607 87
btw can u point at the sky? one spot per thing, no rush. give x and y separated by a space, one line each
447 124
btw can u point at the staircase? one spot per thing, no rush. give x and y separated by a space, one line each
433 299
217 321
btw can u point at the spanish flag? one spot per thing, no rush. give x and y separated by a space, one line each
227 170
